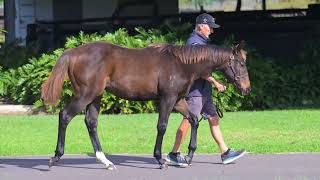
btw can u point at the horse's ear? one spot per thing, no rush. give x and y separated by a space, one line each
242 44
236 49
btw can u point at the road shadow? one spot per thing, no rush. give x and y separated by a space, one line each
81 162
214 163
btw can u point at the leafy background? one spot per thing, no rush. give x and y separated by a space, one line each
274 86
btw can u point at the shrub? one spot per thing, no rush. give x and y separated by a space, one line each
25 81
273 86
14 55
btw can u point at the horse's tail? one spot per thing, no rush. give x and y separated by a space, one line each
51 88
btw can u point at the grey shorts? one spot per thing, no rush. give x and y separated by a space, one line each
202 105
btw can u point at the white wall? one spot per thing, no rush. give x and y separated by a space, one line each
28 11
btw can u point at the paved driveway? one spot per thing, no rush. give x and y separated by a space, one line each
302 166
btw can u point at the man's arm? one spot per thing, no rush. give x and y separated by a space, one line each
220 87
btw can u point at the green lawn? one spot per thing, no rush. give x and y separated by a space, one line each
257 132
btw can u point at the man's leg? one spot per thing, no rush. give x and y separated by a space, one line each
181 135
216 133
174 157
227 155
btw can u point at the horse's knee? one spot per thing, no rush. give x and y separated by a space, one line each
162 128
91 124
194 122
64 119
192 147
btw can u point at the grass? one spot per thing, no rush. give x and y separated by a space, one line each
257 132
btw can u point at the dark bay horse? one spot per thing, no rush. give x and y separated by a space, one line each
159 72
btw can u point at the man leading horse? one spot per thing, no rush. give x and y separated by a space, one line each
200 101
163 73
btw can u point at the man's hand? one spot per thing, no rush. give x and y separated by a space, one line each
220 87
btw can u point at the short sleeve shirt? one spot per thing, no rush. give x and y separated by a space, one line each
200 87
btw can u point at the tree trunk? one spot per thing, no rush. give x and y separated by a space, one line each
238 8
263 5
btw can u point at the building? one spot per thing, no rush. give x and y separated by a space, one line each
25 18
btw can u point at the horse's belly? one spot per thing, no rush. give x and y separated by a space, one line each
133 91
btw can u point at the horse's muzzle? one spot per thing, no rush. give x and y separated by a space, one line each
245 91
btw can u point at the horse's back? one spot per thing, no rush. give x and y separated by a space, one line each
136 73
127 73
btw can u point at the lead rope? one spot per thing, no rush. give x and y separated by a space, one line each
218 110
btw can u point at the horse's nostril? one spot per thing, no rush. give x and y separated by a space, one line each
245 91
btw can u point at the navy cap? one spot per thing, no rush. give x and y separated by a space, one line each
207 19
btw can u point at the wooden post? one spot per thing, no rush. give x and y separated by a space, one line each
263 5
238 8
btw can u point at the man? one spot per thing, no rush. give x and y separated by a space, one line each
200 101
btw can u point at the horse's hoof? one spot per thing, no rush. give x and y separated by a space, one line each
51 162
111 167
188 160
164 166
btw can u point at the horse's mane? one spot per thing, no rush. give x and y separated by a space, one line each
189 54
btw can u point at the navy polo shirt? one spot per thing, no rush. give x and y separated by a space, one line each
200 87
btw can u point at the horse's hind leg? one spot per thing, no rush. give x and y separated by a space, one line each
182 107
193 138
76 105
166 106
91 120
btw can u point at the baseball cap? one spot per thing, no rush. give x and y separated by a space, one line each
207 19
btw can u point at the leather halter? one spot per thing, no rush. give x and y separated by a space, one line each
236 77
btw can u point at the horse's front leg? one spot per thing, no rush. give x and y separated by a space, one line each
193 137
166 106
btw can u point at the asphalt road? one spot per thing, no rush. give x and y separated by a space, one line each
301 166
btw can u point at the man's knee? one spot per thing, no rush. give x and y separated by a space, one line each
181 130
214 120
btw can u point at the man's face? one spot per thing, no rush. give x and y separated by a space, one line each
206 30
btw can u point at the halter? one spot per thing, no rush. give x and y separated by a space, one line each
218 100
236 77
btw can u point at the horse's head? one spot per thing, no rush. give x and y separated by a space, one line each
236 70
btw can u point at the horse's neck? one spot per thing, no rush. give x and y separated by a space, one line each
197 70
220 64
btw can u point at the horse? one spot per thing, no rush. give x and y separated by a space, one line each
158 72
